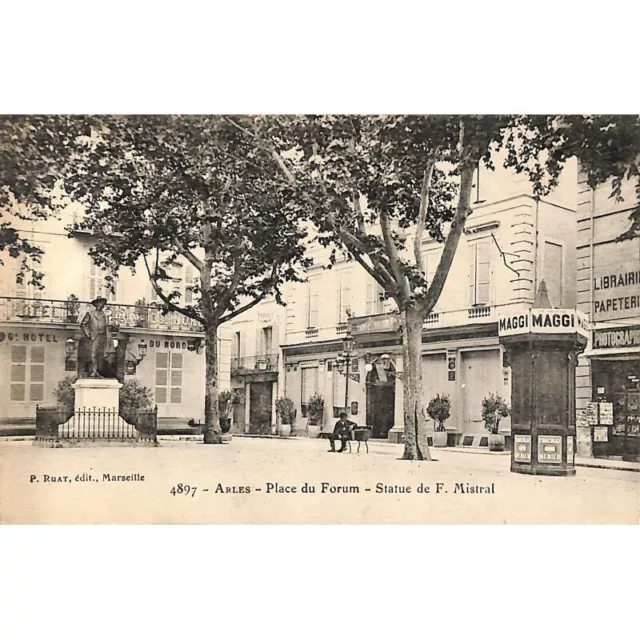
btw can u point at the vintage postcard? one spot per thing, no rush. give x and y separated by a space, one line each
320 319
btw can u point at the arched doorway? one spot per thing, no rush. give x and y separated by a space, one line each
381 398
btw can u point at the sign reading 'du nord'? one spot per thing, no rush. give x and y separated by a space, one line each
543 321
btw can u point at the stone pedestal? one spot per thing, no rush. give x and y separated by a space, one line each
97 393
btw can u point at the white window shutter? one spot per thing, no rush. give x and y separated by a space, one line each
472 276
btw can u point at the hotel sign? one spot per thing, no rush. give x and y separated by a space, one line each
374 324
622 337
543 321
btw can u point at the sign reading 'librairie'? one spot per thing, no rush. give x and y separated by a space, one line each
612 338
543 321
615 294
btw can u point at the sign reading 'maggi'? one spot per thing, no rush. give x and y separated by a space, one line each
543 321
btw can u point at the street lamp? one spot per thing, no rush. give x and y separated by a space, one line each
344 363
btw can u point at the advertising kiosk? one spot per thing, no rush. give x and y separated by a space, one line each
542 347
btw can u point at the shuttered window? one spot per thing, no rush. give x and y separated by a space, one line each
27 373
98 284
169 369
344 296
553 272
189 282
480 273
374 297
312 303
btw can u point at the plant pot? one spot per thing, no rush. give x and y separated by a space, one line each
496 442
439 438
284 430
314 430
225 425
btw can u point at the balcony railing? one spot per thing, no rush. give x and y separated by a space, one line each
259 363
125 316
479 312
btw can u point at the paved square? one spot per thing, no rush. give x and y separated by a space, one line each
263 481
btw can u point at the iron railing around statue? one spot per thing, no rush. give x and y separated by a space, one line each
57 424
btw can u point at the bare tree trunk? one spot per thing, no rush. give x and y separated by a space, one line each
416 446
212 432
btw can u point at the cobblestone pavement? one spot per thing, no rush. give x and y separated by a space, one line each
263 481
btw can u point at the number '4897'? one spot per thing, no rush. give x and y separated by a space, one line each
184 490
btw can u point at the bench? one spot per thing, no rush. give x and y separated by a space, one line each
358 434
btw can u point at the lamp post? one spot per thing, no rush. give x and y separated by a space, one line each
343 362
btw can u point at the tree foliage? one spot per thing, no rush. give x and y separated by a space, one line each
368 179
159 190
34 151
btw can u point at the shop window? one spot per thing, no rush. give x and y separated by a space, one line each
168 382
309 386
27 373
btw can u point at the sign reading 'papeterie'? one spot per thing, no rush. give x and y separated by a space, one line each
543 321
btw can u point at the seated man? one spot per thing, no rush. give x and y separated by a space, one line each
341 431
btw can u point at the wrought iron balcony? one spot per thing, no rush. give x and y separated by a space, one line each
126 316
260 363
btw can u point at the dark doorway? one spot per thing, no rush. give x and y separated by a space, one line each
260 399
381 400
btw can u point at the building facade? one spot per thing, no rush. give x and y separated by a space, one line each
510 245
39 330
608 291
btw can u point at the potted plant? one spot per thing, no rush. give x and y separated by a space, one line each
285 412
316 414
226 399
494 408
72 307
439 410
142 313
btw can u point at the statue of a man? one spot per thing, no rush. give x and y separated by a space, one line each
96 336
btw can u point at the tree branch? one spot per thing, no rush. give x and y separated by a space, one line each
422 214
189 313
188 254
233 286
394 258
453 238
246 307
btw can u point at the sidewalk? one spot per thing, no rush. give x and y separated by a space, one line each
594 463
